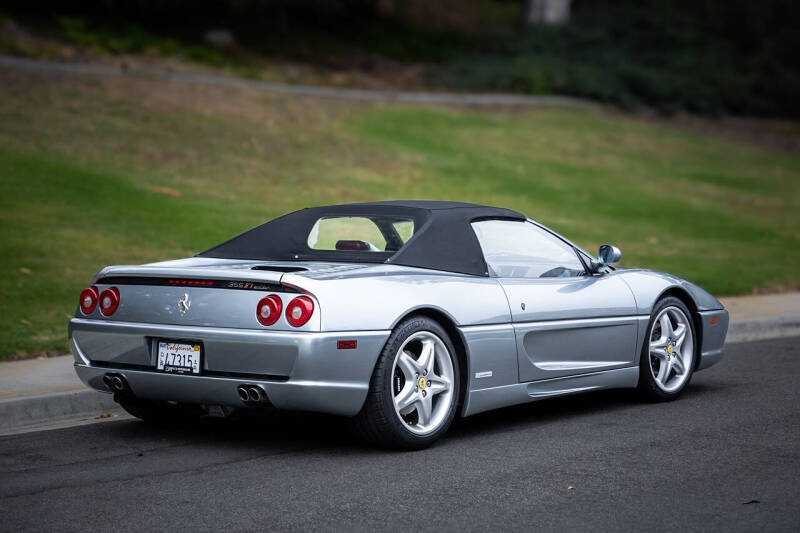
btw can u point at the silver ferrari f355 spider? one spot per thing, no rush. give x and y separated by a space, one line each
402 315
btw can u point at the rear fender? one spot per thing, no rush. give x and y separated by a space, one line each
378 302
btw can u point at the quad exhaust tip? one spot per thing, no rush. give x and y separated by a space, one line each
252 394
243 395
115 382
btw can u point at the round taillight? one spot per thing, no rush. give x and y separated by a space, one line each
268 310
299 310
109 301
88 300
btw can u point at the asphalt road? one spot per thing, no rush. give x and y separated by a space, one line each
726 456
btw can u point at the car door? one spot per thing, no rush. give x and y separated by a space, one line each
566 321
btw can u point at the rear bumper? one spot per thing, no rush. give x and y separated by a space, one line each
715 328
298 370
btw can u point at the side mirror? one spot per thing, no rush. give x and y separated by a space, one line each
609 254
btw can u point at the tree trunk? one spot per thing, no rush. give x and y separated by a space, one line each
545 12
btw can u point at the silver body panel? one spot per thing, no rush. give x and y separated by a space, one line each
487 399
555 349
565 326
209 307
512 355
299 370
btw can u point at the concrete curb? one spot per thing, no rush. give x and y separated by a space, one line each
17 413
762 329
49 409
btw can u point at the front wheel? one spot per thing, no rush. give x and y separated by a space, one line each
414 390
668 355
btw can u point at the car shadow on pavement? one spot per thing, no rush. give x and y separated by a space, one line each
565 408
278 430
269 430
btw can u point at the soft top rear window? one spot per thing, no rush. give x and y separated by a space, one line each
360 233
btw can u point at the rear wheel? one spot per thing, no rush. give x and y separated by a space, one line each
157 412
668 355
414 389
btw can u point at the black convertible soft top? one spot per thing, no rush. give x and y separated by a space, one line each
443 238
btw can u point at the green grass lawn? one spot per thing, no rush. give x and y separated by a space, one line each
120 170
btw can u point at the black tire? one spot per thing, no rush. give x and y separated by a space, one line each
378 423
648 387
158 412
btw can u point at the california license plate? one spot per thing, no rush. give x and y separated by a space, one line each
179 358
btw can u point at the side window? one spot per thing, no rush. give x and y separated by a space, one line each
523 250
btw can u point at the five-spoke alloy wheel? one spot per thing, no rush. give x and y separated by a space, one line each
423 382
669 354
414 391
